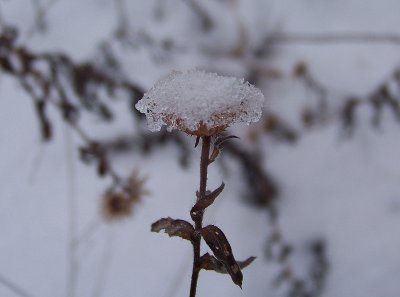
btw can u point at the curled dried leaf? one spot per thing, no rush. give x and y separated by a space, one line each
209 262
222 139
197 141
214 155
217 146
222 250
173 227
209 199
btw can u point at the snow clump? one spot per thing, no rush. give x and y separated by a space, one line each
200 103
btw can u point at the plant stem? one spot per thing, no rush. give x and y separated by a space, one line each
198 219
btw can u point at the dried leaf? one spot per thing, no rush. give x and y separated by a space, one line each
209 262
217 145
173 227
197 141
214 155
222 139
208 199
222 250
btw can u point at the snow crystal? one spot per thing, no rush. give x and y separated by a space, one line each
200 103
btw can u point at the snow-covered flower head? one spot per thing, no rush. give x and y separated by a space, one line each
200 103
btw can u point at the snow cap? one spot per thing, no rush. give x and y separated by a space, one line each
200 103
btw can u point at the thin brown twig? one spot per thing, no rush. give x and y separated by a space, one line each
325 38
84 136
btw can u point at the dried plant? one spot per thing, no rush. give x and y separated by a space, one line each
118 201
73 89
280 251
203 105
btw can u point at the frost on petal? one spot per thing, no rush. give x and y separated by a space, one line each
200 103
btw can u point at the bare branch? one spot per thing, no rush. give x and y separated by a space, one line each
14 287
206 21
361 37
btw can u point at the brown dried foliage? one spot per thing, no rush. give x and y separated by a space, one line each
54 79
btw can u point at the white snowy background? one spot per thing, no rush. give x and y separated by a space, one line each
343 190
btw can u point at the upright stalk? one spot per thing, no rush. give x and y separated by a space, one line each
198 218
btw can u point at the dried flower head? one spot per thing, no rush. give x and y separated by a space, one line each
200 103
118 203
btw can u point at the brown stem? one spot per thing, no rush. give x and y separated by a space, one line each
352 37
198 218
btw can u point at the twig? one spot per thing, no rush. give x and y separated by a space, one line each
14 287
71 202
40 10
2 23
37 161
105 263
206 21
262 190
90 228
123 23
46 88
326 38
40 20
179 275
